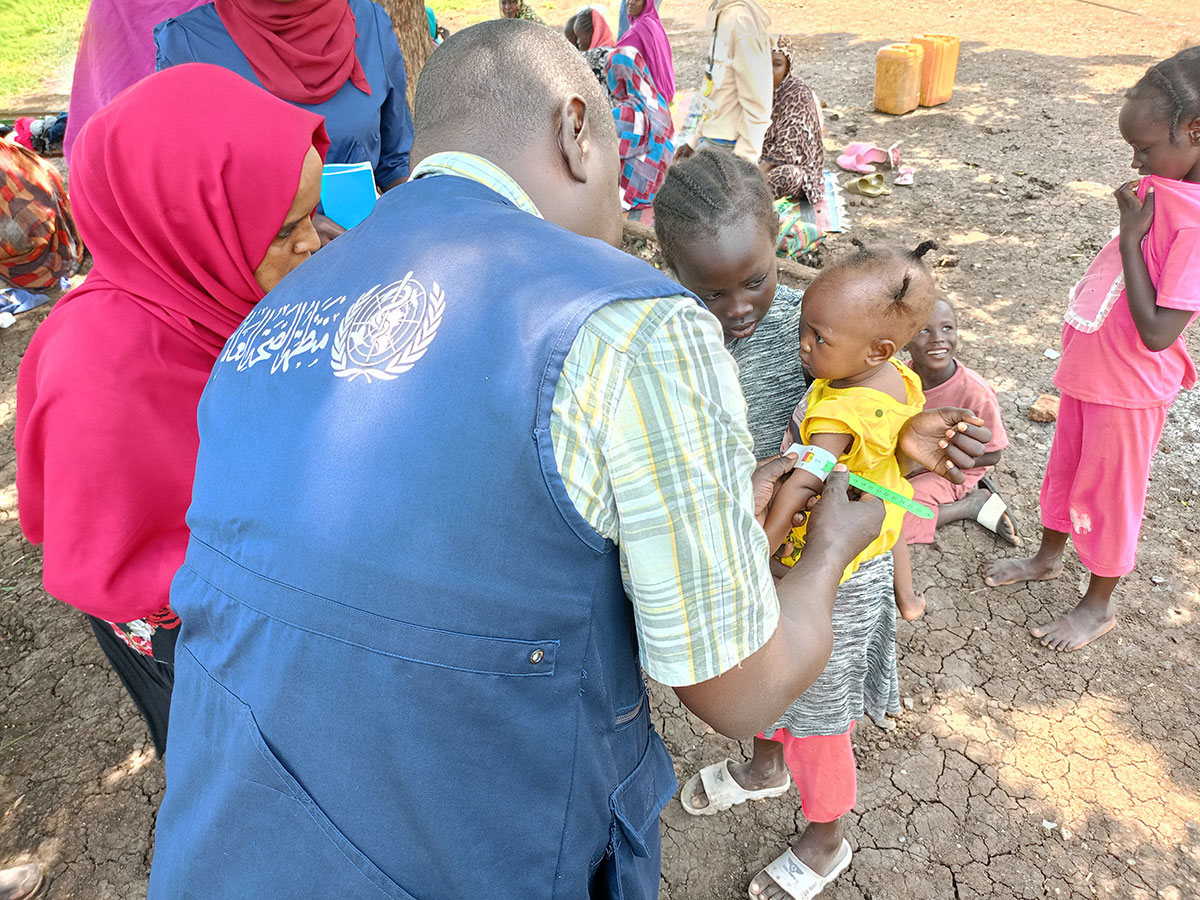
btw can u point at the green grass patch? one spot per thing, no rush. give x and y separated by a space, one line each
36 38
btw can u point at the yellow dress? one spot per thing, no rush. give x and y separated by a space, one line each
873 419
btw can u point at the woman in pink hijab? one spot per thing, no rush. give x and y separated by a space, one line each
648 36
189 224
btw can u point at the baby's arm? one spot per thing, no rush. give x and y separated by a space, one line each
1158 326
795 494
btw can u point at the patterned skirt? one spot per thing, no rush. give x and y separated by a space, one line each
861 674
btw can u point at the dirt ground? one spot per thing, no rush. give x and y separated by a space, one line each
1014 772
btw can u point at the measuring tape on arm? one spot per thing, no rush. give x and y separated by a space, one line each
820 462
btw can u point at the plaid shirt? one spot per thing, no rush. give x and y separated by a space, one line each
650 437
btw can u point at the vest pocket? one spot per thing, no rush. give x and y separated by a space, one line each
252 802
633 864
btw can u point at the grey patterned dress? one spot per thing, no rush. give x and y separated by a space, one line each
860 677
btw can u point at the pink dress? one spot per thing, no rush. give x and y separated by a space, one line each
967 389
1116 393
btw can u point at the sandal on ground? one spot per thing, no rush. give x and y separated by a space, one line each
905 175
867 185
858 157
798 880
722 790
994 511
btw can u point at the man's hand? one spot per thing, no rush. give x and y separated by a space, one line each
766 482
945 440
839 526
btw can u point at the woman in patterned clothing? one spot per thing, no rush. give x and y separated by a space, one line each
793 155
38 241
644 127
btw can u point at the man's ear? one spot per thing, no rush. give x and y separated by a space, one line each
575 136
881 350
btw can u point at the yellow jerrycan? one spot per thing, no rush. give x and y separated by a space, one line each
898 78
938 68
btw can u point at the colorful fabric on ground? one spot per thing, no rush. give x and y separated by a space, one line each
38 241
116 50
106 431
644 127
649 38
694 619
302 51
803 225
793 140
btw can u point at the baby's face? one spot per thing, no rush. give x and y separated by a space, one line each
934 346
836 335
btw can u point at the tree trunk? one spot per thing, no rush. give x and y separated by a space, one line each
412 31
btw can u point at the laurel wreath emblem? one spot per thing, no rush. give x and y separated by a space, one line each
373 305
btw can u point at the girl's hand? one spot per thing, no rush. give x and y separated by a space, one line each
945 440
1136 215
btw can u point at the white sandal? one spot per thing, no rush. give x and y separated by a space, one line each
798 880
722 790
994 509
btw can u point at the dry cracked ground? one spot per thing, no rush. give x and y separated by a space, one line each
1013 772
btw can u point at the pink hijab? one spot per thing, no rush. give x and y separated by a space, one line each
178 203
302 50
648 35
602 35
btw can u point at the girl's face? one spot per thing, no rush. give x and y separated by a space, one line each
934 346
733 270
1146 129
635 8
779 66
510 8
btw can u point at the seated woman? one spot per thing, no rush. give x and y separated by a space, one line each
189 224
793 155
337 58
517 9
648 37
38 241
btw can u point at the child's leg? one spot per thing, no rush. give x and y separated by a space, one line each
909 601
1055 500
765 769
826 774
1107 503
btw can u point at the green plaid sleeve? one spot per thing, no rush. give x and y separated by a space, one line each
650 436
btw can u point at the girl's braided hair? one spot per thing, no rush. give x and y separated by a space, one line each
1177 81
702 193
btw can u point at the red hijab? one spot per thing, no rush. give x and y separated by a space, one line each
302 51
178 204
602 35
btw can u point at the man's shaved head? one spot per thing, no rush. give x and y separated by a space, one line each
499 84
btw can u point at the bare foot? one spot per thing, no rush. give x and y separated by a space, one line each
1076 629
910 605
817 848
765 769
1030 568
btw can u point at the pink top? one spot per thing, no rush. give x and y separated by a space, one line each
1104 359
968 389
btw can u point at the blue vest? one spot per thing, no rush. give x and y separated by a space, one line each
407 666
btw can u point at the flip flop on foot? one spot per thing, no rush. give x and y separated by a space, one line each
797 880
722 790
995 516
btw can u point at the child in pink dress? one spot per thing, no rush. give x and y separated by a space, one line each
947 382
1124 357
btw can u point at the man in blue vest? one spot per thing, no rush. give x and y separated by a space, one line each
463 477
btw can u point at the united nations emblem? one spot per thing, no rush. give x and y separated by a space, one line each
387 330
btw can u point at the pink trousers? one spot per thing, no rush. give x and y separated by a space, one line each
934 491
824 770
1095 484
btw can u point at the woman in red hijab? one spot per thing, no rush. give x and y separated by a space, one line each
337 58
189 224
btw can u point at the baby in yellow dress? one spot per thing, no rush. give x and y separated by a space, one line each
856 316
